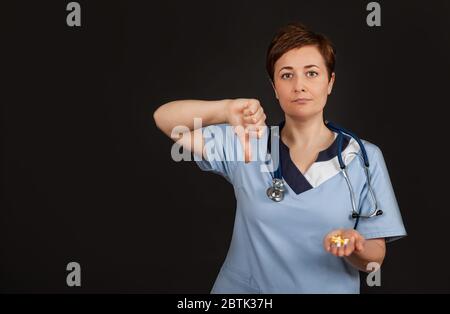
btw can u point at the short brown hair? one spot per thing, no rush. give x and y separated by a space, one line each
296 35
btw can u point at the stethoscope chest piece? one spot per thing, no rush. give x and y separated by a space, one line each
276 191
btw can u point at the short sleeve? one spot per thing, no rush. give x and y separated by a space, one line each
220 150
389 225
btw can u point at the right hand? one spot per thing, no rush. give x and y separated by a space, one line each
248 120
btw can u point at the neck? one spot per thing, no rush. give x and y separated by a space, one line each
306 133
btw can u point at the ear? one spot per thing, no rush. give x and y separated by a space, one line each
331 83
274 89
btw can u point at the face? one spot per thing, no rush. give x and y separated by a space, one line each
301 82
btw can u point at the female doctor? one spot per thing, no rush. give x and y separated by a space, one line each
303 239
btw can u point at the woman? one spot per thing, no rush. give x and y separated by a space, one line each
308 242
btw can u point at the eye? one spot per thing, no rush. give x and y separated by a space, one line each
311 74
283 76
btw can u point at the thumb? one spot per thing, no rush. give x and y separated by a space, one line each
359 245
247 148
244 139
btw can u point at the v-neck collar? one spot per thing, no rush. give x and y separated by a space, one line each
292 175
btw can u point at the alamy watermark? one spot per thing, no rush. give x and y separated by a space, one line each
374 276
216 138
74 16
73 278
374 17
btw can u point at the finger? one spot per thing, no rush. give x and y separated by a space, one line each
261 125
350 247
261 129
340 251
242 106
247 151
249 109
262 119
248 119
253 105
248 112
327 240
329 245
334 250
258 128
258 125
256 117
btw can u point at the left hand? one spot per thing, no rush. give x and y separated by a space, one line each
355 242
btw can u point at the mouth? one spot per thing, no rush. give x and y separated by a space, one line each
301 100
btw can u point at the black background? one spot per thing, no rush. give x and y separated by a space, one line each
88 177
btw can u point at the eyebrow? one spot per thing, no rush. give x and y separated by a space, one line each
305 67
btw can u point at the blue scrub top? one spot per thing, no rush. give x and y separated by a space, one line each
277 247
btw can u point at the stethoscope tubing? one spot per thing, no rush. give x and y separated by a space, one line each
276 191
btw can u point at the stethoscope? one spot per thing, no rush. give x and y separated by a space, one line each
277 190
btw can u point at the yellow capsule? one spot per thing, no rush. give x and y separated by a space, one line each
338 240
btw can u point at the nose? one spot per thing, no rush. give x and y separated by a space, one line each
299 85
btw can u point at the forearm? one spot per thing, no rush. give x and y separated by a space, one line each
183 112
374 251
